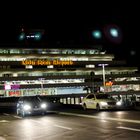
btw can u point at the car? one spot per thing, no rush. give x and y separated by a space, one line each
99 101
28 105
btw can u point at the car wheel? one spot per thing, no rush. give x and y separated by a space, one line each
134 105
84 107
23 114
98 107
18 112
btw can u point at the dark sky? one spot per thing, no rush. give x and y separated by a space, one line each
71 24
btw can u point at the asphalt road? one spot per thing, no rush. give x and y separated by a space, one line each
71 124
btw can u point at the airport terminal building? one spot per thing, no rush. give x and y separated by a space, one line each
53 71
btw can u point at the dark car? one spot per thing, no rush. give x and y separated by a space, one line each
28 105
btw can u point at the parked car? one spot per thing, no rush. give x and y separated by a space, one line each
99 102
28 105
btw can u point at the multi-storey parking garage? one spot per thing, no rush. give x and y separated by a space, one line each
64 72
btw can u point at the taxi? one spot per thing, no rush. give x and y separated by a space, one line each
99 101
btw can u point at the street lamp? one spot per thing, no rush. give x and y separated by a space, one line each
42 81
103 66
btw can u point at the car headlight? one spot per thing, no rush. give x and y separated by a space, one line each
26 107
103 103
118 103
43 105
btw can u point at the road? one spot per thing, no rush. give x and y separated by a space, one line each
71 124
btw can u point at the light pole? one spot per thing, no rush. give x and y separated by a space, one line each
103 66
42 81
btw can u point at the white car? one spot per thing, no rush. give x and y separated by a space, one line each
99 102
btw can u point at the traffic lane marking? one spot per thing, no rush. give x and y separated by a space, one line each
3 121
128 128
18 117
6 114
56 125
101 118
64 127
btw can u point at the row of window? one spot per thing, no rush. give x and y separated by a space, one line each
43 74
65 73
51 51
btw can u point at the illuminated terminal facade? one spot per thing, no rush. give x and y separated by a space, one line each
51 71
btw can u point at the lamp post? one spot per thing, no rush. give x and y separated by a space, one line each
42 81
103 66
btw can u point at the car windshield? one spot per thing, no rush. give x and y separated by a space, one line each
103 96
32 99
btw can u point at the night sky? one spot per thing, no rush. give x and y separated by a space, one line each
71 24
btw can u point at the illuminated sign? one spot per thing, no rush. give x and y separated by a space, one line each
14 87
14 93
47 62
31 34
110 83
8 87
